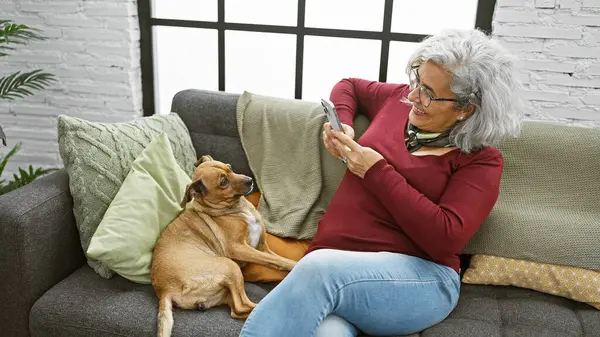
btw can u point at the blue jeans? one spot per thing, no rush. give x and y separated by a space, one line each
336 293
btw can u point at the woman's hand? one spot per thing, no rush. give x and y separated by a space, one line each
328 135
360 158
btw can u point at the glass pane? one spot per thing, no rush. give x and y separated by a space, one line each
261 63
199 10
264 12
327 60
184 58
432 16
344 14
400 52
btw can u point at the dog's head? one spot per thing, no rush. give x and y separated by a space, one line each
215 184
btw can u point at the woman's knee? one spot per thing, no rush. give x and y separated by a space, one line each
335 326
314 276
316 265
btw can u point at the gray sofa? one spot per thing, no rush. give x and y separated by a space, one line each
46 289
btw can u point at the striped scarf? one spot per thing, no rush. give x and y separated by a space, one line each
416 138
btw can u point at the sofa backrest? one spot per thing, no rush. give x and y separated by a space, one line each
548 202
210 117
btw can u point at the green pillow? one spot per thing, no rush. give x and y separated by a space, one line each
98 157
146 203
547 210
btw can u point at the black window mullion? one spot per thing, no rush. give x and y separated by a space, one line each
385 40
146 57
300 48
221 38
485 15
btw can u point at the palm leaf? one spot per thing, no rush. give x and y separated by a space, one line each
7 157
24 176
17 34
2 136
28 176
20 85
5 48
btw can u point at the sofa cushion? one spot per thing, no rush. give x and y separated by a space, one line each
135 219
547 210
98 157
87 305
516 312
578 284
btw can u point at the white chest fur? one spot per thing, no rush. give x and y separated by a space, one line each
254 229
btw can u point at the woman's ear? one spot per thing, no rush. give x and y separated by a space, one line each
466 112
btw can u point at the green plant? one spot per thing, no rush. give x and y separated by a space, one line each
24 177
19 85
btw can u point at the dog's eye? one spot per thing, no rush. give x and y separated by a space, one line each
224 182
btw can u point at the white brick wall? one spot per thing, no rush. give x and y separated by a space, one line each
93 49
558 43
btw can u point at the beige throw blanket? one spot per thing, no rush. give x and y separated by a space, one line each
296 175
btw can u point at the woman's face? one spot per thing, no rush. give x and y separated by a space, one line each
439 115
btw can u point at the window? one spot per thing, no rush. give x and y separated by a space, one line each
292 49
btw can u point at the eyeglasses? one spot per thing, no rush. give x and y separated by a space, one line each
425 95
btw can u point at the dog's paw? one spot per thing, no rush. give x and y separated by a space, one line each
289 265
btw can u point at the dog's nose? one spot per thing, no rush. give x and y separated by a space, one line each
248 181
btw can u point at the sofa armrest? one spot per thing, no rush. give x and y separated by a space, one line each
39 246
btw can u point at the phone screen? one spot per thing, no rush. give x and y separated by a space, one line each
332 116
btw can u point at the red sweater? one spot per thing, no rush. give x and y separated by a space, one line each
425 206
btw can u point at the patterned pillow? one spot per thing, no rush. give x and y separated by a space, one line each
98 157
578 284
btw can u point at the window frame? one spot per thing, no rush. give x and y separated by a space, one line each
483 21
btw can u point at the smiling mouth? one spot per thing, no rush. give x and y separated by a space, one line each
418 111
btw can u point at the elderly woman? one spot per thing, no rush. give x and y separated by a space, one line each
420 181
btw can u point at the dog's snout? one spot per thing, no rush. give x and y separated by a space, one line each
248 181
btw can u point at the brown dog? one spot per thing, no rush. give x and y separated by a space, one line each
197 259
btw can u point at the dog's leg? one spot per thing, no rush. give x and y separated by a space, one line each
233 280
265 248
245 253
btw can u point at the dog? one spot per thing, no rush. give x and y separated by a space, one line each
197 260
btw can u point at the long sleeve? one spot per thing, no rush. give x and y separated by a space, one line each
351 94
441 229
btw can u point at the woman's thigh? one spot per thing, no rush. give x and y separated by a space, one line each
384 293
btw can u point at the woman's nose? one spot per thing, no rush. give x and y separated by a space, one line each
413 95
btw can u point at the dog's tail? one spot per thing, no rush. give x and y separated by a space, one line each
165 316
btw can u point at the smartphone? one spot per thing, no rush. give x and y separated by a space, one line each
332 115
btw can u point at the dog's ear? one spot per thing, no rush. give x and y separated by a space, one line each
203 159
199 187
191 190
187 196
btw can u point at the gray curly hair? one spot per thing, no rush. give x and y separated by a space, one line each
483 73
